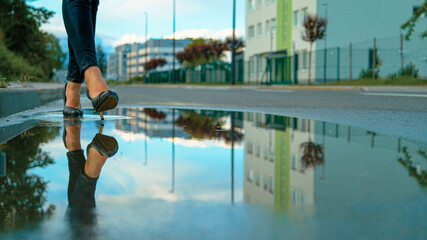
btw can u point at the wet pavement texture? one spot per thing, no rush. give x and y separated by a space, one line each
204 174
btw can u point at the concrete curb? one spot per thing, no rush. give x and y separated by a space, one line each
18 100
291 87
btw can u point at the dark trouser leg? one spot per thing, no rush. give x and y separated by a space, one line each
79 20
81 194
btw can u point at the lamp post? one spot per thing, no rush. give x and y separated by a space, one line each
233 51
325 5
146 46
173 44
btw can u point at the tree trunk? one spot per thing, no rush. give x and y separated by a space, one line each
309 63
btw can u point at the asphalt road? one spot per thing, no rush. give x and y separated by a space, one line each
397 111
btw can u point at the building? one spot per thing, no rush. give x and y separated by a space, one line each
355 22
260 37
274 173
116 62
156 48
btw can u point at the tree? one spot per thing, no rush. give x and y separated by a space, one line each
203 51
102 59
409 25
155 63
22 193
21 34
314 29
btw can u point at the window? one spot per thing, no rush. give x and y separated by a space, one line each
271 185
273 25
250 175
303 199
251 5
251 32
294 196
304 13
249 147
258 118
259 30
257 178
304 60
259 3
267 27
296 13
252 64
259 64
250 117
294 162
272 155
265 183
257 150
266 153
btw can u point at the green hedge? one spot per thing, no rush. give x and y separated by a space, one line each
12 66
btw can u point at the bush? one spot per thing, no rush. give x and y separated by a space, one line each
408 71
13 66
367 73
3 82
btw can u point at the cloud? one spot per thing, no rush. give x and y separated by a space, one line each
129 38
206 33
127 9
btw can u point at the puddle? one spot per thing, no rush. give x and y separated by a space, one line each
202 174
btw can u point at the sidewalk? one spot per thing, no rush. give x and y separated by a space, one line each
16 98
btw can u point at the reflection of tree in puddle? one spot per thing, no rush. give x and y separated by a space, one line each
312 154
414 170
154 114
206 127
22 195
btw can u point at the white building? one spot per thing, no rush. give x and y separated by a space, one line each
260 37
116 62
155 48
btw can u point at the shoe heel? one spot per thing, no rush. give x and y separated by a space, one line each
101 129
102 116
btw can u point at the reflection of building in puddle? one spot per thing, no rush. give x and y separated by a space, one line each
153 123
358 149
274 173
181 124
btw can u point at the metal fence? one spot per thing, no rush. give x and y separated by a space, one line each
356 60
211 73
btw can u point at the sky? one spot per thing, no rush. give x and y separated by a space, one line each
123 21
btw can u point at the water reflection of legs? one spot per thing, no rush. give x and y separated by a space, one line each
83 178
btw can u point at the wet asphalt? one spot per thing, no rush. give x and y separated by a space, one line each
402 113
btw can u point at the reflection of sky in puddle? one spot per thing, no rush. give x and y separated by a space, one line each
359 180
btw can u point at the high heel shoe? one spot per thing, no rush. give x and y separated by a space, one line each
70 112
106 100
107 146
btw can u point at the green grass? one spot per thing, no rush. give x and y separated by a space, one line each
129 82
399 81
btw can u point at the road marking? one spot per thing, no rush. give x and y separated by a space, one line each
395 94
274 90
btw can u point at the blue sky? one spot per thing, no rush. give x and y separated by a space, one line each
124 21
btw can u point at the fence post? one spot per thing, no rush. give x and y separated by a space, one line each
401 51
338 63
351 62
374 60
324 64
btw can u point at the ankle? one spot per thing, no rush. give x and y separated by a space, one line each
94 81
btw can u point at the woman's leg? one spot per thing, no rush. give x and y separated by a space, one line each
75 81
80 20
